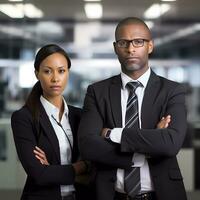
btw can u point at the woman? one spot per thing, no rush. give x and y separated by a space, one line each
45 130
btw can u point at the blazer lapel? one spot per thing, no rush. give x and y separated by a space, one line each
115 100
73 121
49 131
149 98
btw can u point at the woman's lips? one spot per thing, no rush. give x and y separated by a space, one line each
55 87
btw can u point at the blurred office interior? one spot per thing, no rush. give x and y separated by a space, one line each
85 29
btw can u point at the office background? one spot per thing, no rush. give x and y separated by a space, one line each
85 29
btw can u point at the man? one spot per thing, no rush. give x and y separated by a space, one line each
125 147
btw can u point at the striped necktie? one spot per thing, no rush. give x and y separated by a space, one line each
132 184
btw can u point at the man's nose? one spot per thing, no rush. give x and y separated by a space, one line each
130 47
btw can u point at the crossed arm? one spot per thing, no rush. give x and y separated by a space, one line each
153 142
150 140
41 172
163 123
79 167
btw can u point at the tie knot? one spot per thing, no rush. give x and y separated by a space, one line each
133 85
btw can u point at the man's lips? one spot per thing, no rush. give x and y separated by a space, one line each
132 58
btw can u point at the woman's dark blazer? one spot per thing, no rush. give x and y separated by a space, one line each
43 182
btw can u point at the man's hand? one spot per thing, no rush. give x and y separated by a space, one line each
104 131
164 122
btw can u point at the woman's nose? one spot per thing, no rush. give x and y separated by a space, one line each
55 77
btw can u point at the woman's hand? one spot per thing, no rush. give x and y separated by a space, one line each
164 122
80 167
41 156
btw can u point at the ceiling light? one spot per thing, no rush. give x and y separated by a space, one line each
168 0
156 10
183 33
93 10
12 11
15 0
150 24
92 0
32 12
21 10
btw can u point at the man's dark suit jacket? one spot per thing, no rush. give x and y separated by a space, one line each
43 182
102 108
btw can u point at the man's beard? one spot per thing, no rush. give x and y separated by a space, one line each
132 67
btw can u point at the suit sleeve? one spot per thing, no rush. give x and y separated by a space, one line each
25 142
160 142
92 146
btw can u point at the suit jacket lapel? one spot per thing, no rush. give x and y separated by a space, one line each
149 98
115 100
72 123
49 131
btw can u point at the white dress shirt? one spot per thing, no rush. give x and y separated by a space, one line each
139 160
64 146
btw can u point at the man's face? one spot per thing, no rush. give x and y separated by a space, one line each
133 59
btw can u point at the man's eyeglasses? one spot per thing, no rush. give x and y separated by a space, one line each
135 42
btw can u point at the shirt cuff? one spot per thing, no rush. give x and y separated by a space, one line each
116 135
138 160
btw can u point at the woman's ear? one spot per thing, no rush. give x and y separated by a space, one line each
36 74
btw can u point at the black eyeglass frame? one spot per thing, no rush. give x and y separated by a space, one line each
132 42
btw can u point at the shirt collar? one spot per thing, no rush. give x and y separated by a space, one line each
52 109
142 79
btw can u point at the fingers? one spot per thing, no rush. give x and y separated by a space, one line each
39 150
39 153
80 167
41 156
167 120
168 117
41 161
164 122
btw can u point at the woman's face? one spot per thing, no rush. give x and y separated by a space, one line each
53 75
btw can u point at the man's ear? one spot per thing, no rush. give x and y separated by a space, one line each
151 46
36 74
115 48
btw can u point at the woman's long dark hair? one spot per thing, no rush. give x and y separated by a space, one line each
33 100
